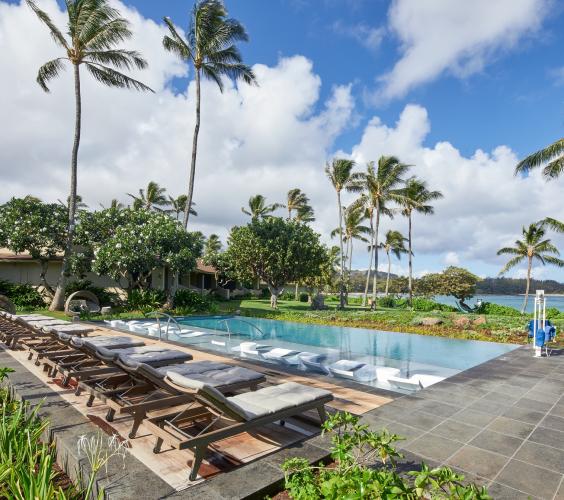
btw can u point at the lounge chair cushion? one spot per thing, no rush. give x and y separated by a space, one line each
69 327
107 341
151 355
212 373
346 365
275 398
39 323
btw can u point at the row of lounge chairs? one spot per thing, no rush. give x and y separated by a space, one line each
343 368
199 402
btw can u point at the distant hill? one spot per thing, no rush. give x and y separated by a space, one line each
358 279
512 286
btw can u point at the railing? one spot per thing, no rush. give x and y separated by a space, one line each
158 315
225 320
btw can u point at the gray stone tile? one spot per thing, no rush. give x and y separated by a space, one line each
472 417
548 436
502 398
434 447
558 410
453 429
542 396
534 405
529 416
438 408
511 427
502 492
496 442
478 461
542 456
419 420
490 407
553 422
530 479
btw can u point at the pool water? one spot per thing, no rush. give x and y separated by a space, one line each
409 354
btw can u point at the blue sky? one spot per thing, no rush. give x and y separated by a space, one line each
461 90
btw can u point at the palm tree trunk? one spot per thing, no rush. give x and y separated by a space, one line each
194 151
58 301
296 296
342 284
375 279
410 280
365 296
389 271
529 266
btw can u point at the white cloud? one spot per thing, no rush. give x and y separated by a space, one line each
451 259
457 37
369 37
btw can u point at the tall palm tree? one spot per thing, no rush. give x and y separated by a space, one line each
210 48
258 207
305 214
212 245
151 198
416 198
341 176
531 247
296 200
552 157
353 218
382 184
178 205
114 203
94 29
394 243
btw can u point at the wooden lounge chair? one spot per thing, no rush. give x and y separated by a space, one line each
223 417
141 388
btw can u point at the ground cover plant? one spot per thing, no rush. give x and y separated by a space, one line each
364 466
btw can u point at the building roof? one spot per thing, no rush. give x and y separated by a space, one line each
203 268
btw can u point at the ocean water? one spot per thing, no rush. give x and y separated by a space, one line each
515 301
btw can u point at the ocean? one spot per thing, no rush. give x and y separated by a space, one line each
515 301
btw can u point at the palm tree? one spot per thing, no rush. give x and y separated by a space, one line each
210 49
114 203
552 157
415 199
212 245
393 244
305 214
151 198
340 174
94 30
382 183
532 246
258 207
296 200
178 205
353 217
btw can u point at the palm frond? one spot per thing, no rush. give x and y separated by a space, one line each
510 251
554 169
49 71
541 157
553 224
119 58
53 30
555 261
113 78
175 43
512 263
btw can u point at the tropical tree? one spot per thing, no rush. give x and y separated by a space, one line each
342 178
296 200
94 29
532 246
151 198
552 157
382 185
210 48
353 219
415 198
258 207
394 243
114 203
212 245
305 214
178 205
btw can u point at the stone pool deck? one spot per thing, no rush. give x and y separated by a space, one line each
500 423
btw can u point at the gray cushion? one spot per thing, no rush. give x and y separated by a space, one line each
111 341
151 355
212 373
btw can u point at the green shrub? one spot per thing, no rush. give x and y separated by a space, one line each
106 298
304 297
497 309
23 296
286 296
145 300
355 450
189 301
426 305
387 302
554 313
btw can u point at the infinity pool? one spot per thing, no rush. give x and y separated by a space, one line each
407 355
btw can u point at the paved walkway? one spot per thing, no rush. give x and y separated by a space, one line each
500 423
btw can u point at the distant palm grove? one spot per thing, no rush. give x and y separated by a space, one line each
129 242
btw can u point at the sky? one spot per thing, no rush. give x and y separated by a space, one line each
460 90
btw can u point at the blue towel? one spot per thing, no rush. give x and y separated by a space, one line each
540 338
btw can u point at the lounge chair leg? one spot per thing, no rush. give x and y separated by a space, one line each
90 401
65 381
158 444
110 415
282 423
137 419
77 391
322 413
198 457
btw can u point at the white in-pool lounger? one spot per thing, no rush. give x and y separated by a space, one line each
252 350
415 382
361 372
284 356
